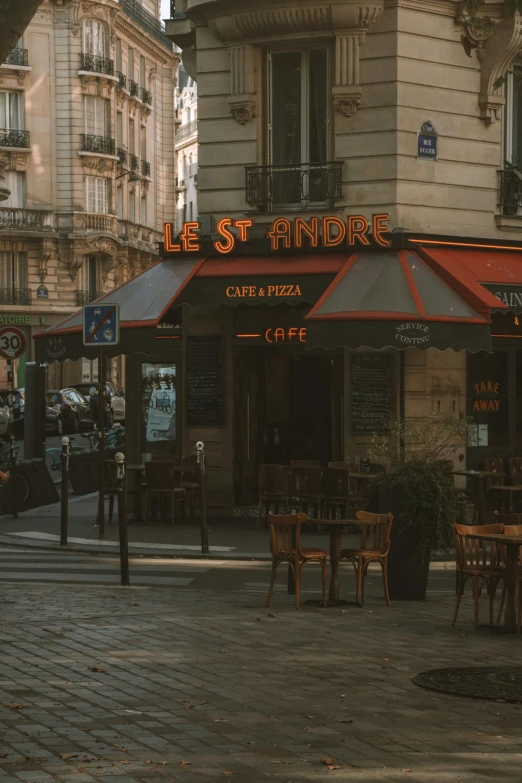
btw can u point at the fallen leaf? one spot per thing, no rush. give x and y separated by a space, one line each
185 762
406 770
258 620
223 651
333 766
309 717
386 659
326 760
344 611
345 721
271 615
15 706
96 669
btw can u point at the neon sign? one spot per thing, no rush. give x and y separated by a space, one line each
285 234
486 405
295 334
249 291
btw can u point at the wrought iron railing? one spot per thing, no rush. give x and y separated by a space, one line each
96 64
17 57
86 297
510 191
14 138
15 296
133 88
146 96
133 163
145 168
300 184
186 131
122 80
149 22
100 144
26 219
121 152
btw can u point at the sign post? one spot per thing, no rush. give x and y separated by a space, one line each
101 327
12 345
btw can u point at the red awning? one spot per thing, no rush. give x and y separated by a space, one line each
239 266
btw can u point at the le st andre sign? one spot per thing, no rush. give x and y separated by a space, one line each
284 234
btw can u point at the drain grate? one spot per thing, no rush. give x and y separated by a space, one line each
490 683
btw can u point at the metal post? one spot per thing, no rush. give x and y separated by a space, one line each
122 519
64 505
101 443
12 453
200 450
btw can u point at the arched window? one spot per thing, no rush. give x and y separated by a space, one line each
94 38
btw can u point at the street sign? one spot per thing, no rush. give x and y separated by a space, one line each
101 324
12 342
427 142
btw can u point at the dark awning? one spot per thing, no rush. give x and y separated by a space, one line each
384 299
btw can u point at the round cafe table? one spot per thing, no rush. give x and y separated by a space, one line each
479 488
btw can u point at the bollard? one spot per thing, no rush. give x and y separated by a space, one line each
200 450
64 503
12 449
122 519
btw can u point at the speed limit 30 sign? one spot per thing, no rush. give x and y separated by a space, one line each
12 342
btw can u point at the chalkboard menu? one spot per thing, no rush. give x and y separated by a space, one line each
205 398
372 392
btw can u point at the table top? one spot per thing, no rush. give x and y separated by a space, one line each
508 488
477 473
497 538
339 522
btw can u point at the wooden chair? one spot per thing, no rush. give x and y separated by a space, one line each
285 546
190 479
512 524
336 491
111 489
481 563
304 463
515 470
305 487
272 486
375 545
160 479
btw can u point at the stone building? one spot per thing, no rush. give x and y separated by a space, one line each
186 148
87 142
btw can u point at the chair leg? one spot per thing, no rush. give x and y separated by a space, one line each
358 577
111 508
363 579
476 597
384 565
325 575
502 600
297 574
259 510
272 582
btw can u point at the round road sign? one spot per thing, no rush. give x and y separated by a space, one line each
12 342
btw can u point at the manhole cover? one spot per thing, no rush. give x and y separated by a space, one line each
491 683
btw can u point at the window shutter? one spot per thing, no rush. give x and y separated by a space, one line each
20 270
5 270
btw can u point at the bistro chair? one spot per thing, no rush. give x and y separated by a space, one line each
305 488
304 463
512 524
273 488
190 479
515 470
285 546
491 483
479 561
336 492
110 489
374 548
160 479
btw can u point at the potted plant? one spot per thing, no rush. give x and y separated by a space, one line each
419 491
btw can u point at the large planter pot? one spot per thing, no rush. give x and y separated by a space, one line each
408 564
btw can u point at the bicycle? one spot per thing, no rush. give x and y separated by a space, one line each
114 438
22 485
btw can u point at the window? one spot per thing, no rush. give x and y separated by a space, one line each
132 207
130 64
118 55
142 71
15 181
119 203
143 211
13 271
488 402
94 38
143 143
132 137
119 129
97 194
298 106
88 275
159 407
12 110
96 115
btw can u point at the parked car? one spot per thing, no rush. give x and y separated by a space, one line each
74 409
4 421
117 398
18 407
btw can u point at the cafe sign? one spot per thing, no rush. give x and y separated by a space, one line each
284 234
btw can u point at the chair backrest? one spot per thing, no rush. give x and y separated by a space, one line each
513 530
159 475
273 480
285 535
111 480
336 482
305 481
375 537
474 554
494 465
304 463
515 470
507 519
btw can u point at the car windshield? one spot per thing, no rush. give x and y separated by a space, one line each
54 398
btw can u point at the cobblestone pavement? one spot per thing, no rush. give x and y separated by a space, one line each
122 685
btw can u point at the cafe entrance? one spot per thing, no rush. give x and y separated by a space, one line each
288 406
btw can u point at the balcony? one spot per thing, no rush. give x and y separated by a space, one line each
96 64
145 168
133 163
510 193
147 21
133 88
146 96
121 152
15 296
14 138
25 219
299 185
17 57
86 297
102 145
122 81
186 131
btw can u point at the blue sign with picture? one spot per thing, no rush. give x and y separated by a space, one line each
427 142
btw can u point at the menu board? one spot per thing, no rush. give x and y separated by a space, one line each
371 392
205 396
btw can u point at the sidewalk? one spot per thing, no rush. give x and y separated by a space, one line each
229 539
